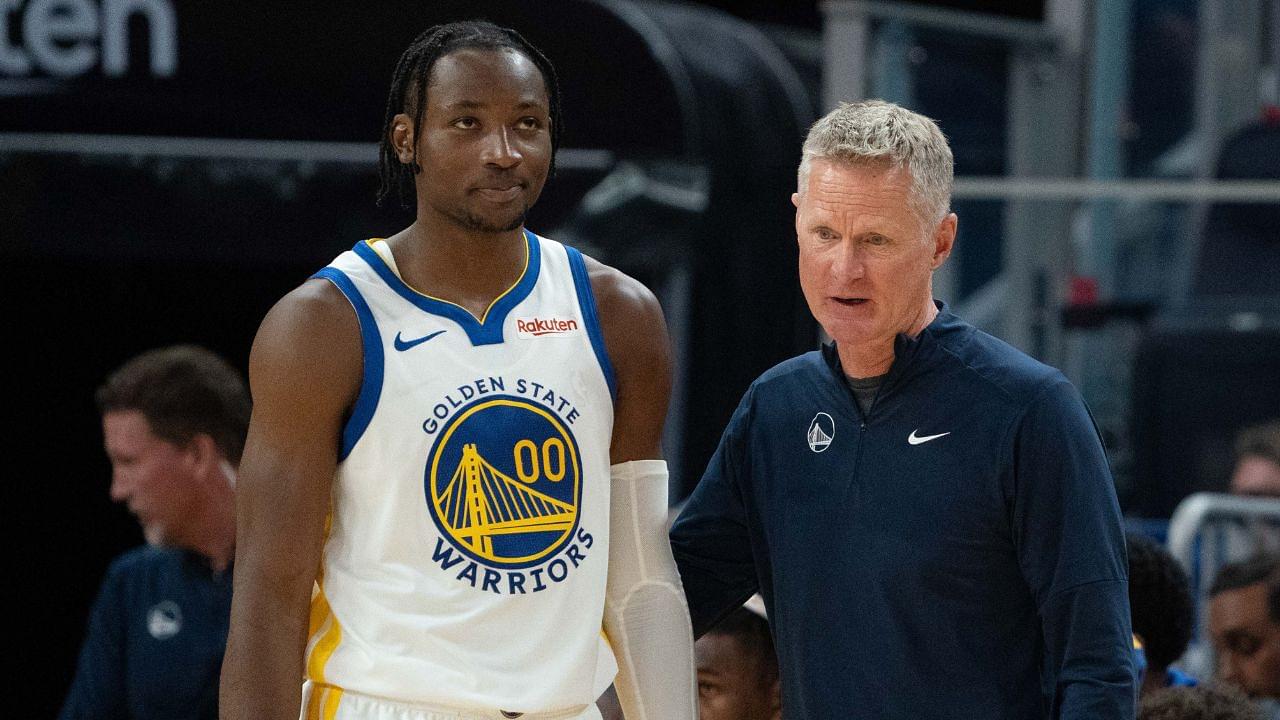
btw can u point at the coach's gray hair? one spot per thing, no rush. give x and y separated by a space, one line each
875 131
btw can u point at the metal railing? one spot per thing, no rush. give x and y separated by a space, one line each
1207 531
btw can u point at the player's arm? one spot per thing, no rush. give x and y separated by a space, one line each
304 373
645 616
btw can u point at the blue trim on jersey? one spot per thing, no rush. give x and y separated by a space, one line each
371 341
488 332
587 301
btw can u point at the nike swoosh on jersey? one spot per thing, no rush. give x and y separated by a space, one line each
914 440
403 345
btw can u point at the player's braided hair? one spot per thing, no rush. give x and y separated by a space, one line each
409 92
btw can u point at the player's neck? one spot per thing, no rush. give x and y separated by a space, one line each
463 266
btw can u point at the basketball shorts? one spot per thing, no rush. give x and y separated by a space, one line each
326 703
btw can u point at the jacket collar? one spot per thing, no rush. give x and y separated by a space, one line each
910 355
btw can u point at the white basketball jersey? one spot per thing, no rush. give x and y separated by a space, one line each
465 559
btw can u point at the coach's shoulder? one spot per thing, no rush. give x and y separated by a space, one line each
1010 372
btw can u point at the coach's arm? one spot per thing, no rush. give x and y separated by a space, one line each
1069 537
711 539
304 373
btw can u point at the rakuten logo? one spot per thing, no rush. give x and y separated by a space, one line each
535 327
68 38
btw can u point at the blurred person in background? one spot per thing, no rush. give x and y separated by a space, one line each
1163 613
1209 702
738 669
927 511
1256 474
1257 468
1244 626
173 424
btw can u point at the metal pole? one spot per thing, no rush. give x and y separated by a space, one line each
1109 92
846 37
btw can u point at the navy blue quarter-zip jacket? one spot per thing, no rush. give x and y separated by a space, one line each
156 635
956 553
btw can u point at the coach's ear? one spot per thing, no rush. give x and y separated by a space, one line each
402 137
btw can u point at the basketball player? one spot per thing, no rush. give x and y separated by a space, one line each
452 501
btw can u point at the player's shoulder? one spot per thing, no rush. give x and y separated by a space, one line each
620 297
312 339
316 301
634 329
315 312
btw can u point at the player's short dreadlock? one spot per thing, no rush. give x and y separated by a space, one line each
409 85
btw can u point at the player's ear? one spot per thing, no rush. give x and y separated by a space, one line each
402 137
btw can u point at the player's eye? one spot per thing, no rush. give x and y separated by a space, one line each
466 123
826 234
529 122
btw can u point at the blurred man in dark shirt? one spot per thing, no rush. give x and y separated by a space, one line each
173 423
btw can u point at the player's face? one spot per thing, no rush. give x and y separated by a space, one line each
866 260
731 684
485 144
154 478
1246 640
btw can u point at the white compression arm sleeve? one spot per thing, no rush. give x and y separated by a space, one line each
645 615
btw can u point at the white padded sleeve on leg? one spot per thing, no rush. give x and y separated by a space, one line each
645 615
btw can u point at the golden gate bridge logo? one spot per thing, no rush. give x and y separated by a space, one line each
504 482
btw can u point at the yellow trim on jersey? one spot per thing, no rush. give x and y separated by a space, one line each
330 631
323 702
480 319
322 705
